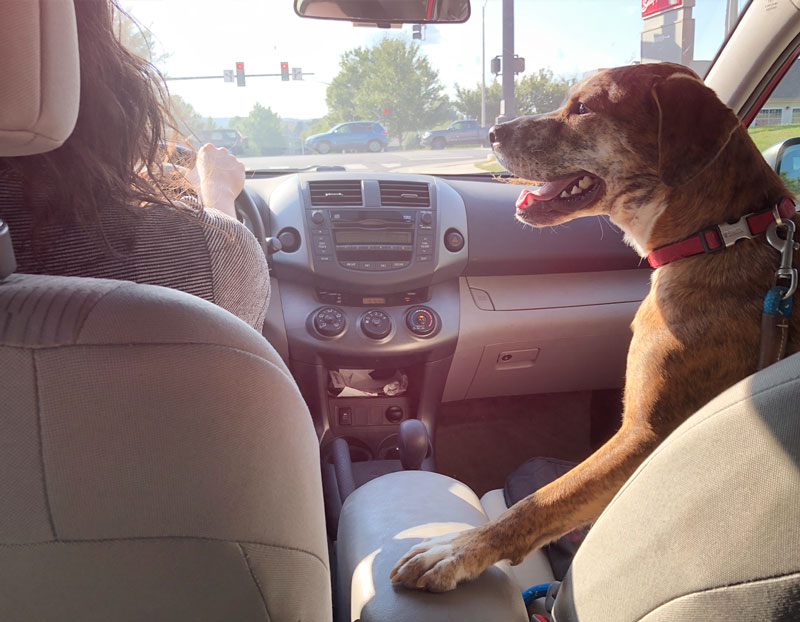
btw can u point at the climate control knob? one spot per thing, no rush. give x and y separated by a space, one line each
328 321
422 321
376 324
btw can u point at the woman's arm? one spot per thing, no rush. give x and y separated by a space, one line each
218 177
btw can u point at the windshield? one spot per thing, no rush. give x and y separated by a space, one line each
303 92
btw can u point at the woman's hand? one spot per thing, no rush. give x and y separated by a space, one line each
220 178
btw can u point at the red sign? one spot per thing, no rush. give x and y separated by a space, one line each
651 7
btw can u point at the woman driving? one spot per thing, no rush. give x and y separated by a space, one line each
106 204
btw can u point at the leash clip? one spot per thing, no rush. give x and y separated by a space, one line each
786 246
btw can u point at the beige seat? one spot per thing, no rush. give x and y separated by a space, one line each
157 461
708 528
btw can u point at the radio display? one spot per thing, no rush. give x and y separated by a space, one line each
373 237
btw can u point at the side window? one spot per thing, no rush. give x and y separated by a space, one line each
779 119
458 126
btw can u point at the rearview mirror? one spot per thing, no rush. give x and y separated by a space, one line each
784 158
386 12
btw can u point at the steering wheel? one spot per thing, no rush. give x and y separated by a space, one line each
247 213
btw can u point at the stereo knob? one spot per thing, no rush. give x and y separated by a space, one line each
376 324
317 217
329 321
426 218
422 321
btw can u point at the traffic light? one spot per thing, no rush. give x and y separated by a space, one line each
495 65
385 112
285 71
519 64
240 74
416 31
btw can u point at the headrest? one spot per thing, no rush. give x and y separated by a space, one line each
39 75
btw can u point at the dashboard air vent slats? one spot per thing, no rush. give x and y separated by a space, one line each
405 193
336 192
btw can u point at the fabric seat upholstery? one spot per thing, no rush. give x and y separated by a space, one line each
157 461
708 527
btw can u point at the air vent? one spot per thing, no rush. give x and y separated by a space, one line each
336 192
405 193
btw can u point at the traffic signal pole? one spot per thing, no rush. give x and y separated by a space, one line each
508 106
218 77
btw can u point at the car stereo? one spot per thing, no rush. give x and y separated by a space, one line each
372 240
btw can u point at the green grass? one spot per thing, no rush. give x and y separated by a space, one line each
766 135
491 165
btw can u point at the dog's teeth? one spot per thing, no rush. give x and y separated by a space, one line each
564 195
585 182
576 190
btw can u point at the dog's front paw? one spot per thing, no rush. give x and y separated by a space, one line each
439 564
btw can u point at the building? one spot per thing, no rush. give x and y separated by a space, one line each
783 106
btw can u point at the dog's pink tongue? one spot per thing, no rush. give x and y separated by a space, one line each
545 192
551 189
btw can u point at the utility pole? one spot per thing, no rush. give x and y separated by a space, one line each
509 105
483 65
731 15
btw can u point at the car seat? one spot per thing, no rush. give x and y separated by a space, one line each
157 461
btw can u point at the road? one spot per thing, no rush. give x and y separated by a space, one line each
419 161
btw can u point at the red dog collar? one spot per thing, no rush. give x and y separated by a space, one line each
721 236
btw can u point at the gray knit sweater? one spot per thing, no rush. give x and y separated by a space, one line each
204 253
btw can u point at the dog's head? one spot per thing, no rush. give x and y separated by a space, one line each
624 138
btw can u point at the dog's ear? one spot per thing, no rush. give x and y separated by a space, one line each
694 126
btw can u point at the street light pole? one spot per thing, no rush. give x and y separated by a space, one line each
483 65
508 105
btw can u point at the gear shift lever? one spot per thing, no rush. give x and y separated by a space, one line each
413 444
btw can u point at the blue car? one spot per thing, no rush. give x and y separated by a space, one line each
368 135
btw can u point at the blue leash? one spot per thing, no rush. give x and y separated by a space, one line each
774 302
537 591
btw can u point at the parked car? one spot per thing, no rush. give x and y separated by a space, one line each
464 132
368 135
231 139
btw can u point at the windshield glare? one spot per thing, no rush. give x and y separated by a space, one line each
303 92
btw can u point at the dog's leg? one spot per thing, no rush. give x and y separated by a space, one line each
575 499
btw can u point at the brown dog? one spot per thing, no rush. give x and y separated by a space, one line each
653 148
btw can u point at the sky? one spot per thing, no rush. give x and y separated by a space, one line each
204 37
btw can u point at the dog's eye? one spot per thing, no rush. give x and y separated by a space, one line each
580 108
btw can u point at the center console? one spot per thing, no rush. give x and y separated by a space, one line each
371 284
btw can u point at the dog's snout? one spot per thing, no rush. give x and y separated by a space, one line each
497 133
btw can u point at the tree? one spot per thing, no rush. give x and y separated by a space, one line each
468 101
392 74
137 38
541 92
189 121
262 128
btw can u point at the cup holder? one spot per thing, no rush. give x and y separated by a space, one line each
389 448
359 451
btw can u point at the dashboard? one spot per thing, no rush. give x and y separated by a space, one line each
435 276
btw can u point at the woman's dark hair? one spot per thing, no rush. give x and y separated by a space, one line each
116 152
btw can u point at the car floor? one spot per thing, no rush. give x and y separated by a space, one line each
481 441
